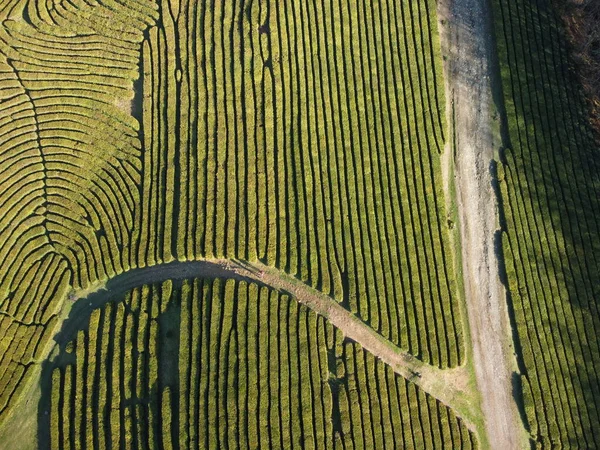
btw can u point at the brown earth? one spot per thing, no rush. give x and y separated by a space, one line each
581 19
467 41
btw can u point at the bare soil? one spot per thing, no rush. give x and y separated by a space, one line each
467 41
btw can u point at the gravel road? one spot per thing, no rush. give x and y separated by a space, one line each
467 41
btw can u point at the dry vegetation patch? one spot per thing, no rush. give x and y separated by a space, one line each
582 25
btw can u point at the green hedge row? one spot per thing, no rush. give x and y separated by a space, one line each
69 163
213 363
320 159
305 135
384 410
549 186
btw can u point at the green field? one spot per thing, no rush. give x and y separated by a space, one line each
551 193
291 139
144 133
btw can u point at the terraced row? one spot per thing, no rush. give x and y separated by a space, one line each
306 136
213 364
69 166
550 183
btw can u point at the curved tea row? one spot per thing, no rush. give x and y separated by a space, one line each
305 135
70 165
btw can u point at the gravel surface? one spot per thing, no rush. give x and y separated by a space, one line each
467 42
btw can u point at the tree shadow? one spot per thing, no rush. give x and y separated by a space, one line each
142 406
550 195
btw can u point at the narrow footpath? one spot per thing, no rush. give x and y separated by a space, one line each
449 386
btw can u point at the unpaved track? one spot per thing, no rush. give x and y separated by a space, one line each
467 42
448 386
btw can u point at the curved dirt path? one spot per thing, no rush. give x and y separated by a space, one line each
467 41
447 385
450 386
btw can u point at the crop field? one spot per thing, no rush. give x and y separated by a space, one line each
135 133
233 224
273 158
229 364
551 194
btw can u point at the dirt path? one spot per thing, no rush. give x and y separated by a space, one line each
467 42
449 386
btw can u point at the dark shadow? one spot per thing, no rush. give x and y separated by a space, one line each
115 292
137 103
502 273
517 392
335 383
116 288
552 190
145 336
